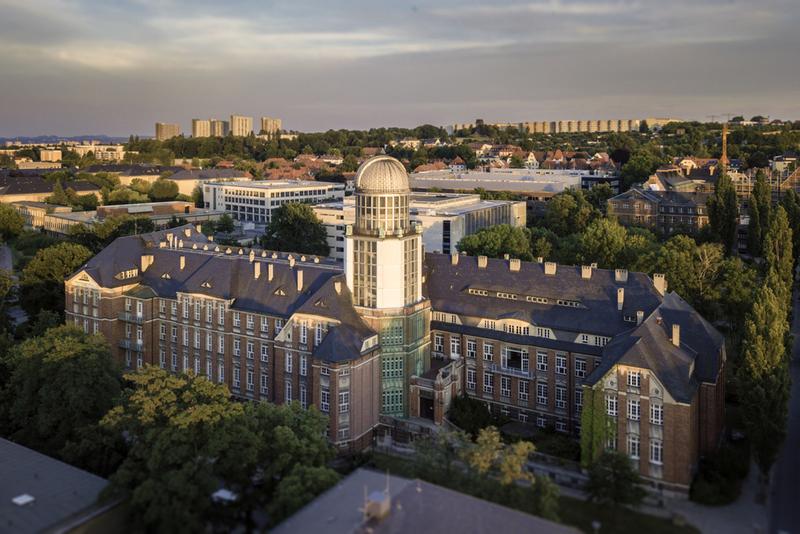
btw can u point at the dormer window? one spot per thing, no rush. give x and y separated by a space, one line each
125 275
165 276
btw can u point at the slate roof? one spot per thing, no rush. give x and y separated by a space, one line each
416 506
649 346
132 170
64 495
447 286
208 174
28 184
231 277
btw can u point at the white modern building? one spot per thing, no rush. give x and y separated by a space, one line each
445 218
254 201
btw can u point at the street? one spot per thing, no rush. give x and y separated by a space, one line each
785 496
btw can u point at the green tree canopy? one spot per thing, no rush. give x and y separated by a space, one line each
11 222
163 190
760 207
60 385
614 481
603 242
568 212
495 241
296 228
42 280
723 212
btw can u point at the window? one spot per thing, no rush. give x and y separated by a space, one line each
318 334
264 324
174 334
471 348
288 367
162 358
524 390
250 350
488 352
221 344
522 417
505 386
580 368
656 452
343 433
220 373
250 381
561 396
278 326
237 320
288 392
221 314
584 338
438 343
471 379
185 362
541 393
633 409
197 339
236 377
488 383
578 400
455 347
263 383
139 308
174 361
127 304
324 400
237 347
209 368
303 365
185 307
656 414
185 337
561 426
541 422
162 333
303 333
634 379
633 446
197 311
561 364
611 405
264 352
303 396
209 312
344 402
174 309
162 307
250 322
541 361
209 342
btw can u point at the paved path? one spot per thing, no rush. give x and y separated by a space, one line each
785 491
5 258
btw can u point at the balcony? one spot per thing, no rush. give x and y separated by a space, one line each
129 317
507 370
136 346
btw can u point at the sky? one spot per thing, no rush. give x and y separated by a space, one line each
74 67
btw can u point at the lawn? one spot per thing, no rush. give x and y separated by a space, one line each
572 511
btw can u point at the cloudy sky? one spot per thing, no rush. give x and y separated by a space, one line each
71 67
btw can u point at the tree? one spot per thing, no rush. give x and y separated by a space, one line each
692 270
496 241
614 481
779 257
568 212
60 385
483 454
513 462
516 162
440 450
163 190
638 168
11 222
42 280
469 414
296 228
760 206
598 196
763 378
59 196
791 204
225 224
298 488
197 197
723 212
603 242
596 427
542 241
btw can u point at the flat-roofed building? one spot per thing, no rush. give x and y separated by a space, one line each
220 128
255 201
241 126
201 127
101 152
270 126
445 218
50 154
34 212
32 165
167 130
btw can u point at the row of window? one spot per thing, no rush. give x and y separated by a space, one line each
634 409
524 390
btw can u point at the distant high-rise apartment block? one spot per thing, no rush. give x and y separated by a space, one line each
201 127
50 155
166 130
571 126
241 126
270 125
220 128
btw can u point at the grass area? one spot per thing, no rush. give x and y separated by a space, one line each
571 511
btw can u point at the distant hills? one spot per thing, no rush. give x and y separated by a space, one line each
48 139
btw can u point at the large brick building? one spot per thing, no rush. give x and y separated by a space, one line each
395 334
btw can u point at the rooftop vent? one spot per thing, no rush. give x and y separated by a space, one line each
550 267
22 500
514 264
378 506
454 258
586 272
660 283
621 275
482 261
620 298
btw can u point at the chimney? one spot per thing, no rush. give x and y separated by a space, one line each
506 257
183 262
586 272
514 264
299 280
252 256
639 317
147 261
482 261
539 259
676 335
454 258
660 283
594 266
291 261
550 267
187 232
270 273
337 285
621 275
256 270
620 298
180 243
198 227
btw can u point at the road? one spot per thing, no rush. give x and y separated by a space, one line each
785 494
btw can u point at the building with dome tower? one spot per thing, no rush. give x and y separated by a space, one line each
385 342
383 266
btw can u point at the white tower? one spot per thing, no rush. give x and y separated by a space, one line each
383 265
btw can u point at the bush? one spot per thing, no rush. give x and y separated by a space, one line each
719 479
471 415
